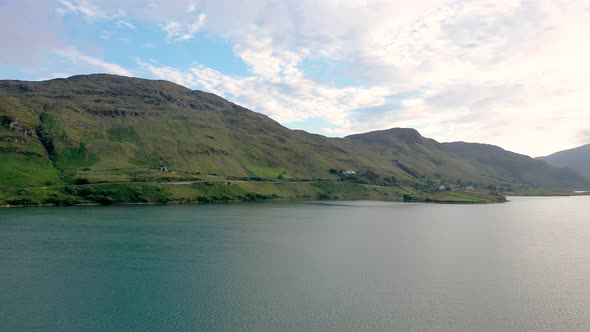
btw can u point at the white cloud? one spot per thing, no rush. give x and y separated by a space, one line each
286 99
493 71
192 7
507 72
172 29
105 34
81 7
125 24
25 40
92 63
180 31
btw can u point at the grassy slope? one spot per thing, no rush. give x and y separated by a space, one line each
466 196
420 157
102 126
116 193
577 159
116 130
512 167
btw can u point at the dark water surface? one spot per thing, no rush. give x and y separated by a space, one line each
323 266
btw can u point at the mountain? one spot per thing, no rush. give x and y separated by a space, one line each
419 157
577 159
105 128
105 138
508 166
98 126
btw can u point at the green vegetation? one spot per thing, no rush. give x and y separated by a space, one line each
527 191
577 159
460 196
222 191
110 140
512 167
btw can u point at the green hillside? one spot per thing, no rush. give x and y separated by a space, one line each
509 166
577 159
419 157
112 139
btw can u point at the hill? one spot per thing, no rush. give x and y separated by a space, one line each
113 139
419 157
508 166
577 159
110 129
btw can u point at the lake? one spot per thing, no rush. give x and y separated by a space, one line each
298 266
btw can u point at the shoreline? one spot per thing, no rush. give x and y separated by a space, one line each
253 191
384 199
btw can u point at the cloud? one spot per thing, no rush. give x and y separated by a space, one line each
287 99
493 71
36 45
25 40
496 71
105 34
584 137
121 23
92 64
192 7
506 72
81 7
180 31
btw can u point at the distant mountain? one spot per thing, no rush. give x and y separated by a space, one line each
577 159
103 137
419 157
509 166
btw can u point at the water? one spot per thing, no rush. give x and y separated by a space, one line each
323 266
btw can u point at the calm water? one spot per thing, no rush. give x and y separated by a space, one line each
335 266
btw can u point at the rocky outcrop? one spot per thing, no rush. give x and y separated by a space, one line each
13 139
13 125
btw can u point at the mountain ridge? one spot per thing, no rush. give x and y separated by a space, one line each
100 128
577 158
504 164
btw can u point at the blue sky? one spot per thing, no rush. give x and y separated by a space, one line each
511 73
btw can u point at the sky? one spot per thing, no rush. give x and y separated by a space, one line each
510 73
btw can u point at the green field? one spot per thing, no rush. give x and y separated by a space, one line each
220 191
